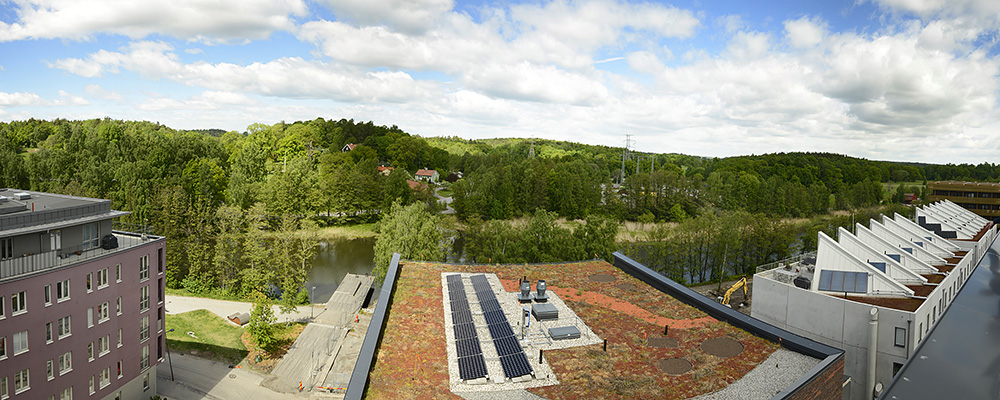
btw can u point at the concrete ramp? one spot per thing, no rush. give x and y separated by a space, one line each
309 352
346 301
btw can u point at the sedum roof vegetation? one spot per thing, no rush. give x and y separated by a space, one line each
412 362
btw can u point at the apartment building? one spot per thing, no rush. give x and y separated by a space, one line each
81 301
877 291
982 198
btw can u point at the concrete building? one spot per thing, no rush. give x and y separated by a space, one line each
875 292
982 198
81 302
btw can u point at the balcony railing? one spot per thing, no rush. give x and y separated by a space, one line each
31 263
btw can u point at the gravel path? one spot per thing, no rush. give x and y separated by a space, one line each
773 375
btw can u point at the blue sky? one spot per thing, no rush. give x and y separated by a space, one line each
907 80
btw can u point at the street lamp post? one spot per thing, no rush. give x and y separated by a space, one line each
311 302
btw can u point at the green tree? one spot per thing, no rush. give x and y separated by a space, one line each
413 232
261 318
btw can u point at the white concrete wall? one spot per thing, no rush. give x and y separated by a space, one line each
893 269
906 259
831 256
881 231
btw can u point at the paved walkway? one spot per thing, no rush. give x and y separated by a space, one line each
225 308
198 378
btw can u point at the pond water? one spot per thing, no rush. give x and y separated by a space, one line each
334 260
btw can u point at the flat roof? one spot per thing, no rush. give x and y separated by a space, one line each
412 359
49 211
959 358
984 185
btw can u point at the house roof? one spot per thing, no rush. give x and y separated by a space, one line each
960 359
414 184
381 168
425 172
617 306
350 146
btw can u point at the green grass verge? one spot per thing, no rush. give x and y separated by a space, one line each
216 338
210 295
446 192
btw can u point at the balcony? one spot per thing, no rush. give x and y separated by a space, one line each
33 263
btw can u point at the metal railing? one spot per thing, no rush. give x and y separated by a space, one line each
788 261
31 263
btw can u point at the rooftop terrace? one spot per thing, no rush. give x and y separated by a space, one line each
640 361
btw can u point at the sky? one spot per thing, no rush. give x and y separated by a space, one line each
900 80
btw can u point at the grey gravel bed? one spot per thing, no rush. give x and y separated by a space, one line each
771 376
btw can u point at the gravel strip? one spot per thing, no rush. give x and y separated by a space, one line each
771 376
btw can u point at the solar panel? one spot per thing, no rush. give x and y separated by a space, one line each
465 331
494 317
515 365
507 346
498 331
490 305
454 278
468 347
472 367
460 304
461 317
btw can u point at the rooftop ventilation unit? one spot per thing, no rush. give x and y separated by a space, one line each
22 196
540 295
525 295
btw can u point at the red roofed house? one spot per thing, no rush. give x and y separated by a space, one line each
415 185
348 147
385 170
429 175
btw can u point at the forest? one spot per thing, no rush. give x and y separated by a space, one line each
229 202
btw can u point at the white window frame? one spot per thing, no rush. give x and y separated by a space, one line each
3 388
118 273
103 313
144 298
92 385
65 363
144 268
48 333
120 373
90 317
103 345
50 370
105 377
22 381
6 248
144 358
3 313
118 305
102 278
3 347
119 337
64 328
20 340
90 351
18 303
47 295
67 394
62 291
91 236
144 329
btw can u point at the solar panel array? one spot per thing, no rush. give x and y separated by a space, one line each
471 364
512 357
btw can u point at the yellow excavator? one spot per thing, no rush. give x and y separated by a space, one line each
742 283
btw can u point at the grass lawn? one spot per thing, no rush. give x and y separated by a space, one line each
446 193
216 338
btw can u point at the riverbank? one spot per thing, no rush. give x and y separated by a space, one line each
330 233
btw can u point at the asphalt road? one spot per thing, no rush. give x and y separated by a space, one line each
197 378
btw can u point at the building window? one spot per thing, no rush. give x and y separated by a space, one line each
90 351
91 385
20 342
67 394
144 358
49 372
90 317
64 327
102 312
66 362
21 381
6 248
90 236
90 282
119 369
48 332
17 303
119 337
118 273
145 382
143 268
103 345
62 291
105 377
2 314
3 347
102 278
47 294
159 260
159 320
900 337
118 305
3 388
144 298
144 329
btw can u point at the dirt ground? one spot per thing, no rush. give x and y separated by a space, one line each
737 296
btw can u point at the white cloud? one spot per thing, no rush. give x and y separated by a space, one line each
749 45
216 21
20 99
98 91
804 32
412 16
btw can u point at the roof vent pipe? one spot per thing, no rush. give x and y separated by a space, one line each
872 347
